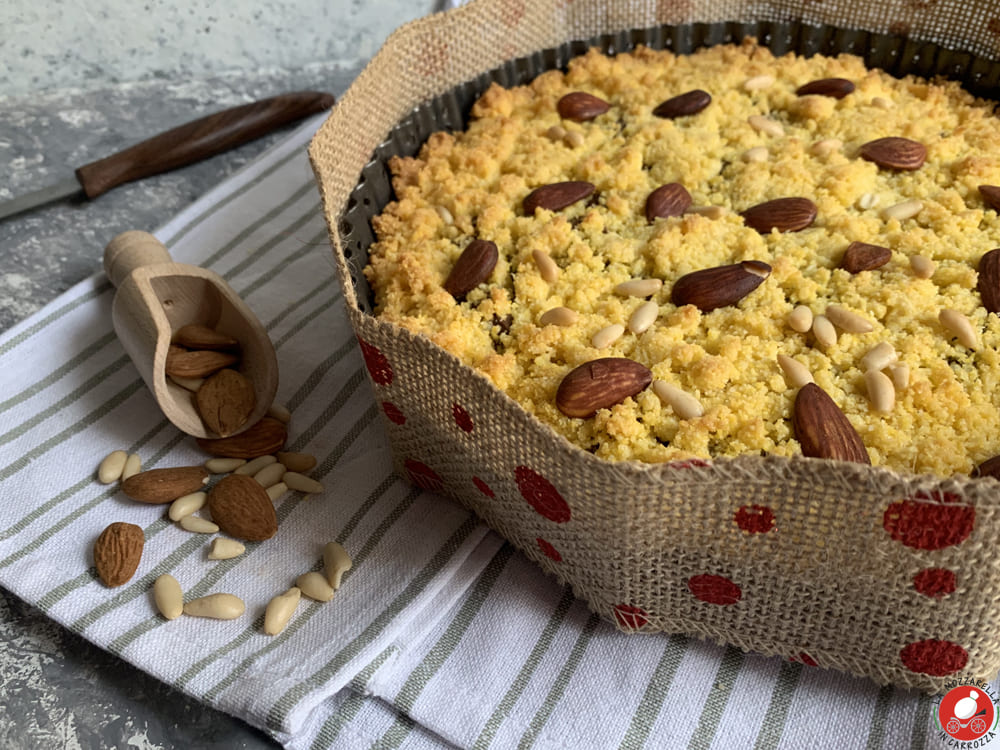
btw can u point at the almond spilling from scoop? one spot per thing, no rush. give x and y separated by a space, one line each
472 268
242 508
838 88
711 288
668 200
600 384
266 437
197 336
165 485
783 214
895 153
862 256
682 105
225 401
579 106
196 364
300 462
557 196
822 429
989 280
117 553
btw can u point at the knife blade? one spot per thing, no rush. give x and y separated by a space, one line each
177 147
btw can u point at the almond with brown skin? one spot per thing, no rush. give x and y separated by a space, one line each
988 468
710 288
600 384
822 429
682 105
838 88
196 364
117 553
989 280
783 214
668 200
241 508
197 336
264 438
472 268
991 196
861 256
579 106
225 401
895 153
556 196
157 486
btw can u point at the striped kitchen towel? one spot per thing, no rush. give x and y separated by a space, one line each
441 635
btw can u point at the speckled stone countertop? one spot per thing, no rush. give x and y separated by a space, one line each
56 689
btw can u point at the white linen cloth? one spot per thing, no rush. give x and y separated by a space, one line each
441 635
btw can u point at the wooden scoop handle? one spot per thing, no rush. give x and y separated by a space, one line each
131 250
200 139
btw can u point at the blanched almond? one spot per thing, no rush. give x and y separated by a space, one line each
336 562
280 610
168 596
216 607
301 483
270 475
300 462
224 465
186 505
198 525
225 549
111 468
254 465
315 586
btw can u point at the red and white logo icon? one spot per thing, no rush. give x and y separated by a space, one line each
966 713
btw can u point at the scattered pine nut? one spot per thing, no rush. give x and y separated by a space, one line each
846 320
900 374
607 336
223 465
302 483
923 267
224 548
300 462
252 467
336 562
882 103
879 357
133 465
276 490
445 214
959 325
188 384
547 267
685 405
111 468
280 413
315 586
880 391
280 610
556 132
216 607
186 505
756 155
270 475
800 319
824 331
758 82
766 125
198 525
558 316
797 373
643 317
826 146
639 287
168 596
868 200
574 139
709 212
902 211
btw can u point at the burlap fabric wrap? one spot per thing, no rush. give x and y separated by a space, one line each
660 547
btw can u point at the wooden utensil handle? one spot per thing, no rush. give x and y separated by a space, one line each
200 139
130 250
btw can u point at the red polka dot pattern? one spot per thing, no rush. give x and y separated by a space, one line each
755 519
934 657
927 525
629 616
462 418
935 582
548 550
714 589
688 463
483 487
541 495
376 362
423 476
805 659
393 413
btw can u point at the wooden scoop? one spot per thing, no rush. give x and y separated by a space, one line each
155 298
